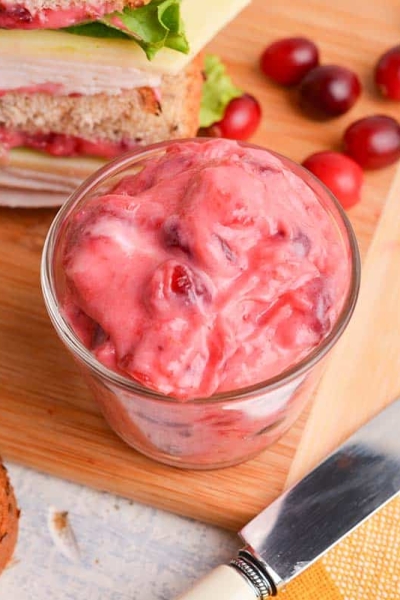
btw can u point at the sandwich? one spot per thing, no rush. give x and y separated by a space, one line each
82 81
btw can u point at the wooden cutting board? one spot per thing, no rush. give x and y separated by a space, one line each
47 418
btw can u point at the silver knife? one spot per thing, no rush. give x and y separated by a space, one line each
311 517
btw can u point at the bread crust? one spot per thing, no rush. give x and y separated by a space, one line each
137 115
9 515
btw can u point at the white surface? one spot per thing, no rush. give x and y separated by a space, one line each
127 551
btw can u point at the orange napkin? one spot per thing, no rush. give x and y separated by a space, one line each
365 566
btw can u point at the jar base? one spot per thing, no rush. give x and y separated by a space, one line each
181 463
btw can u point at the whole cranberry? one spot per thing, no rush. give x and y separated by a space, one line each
374 141
329 91
286 61
387 73
241 119
11 17
340 173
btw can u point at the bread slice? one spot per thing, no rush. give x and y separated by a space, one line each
139 116
9 515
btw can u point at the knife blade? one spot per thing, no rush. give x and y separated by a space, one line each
298 528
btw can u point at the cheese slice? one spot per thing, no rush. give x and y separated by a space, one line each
203 19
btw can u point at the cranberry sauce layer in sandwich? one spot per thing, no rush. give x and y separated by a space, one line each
82 81
47 14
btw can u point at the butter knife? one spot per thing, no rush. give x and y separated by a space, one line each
311 517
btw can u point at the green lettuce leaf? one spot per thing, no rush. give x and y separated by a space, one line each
218 91
97 30
153 26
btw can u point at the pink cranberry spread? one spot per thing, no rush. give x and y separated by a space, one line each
18 16
214 268
53 89
58 144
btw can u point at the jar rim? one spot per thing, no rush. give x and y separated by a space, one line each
78 349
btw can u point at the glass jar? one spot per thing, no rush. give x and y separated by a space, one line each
199 433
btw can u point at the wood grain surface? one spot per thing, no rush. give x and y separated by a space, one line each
47 418
363 375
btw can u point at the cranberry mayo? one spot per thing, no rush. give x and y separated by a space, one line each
212 269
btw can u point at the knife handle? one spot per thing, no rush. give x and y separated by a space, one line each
246 578
223 583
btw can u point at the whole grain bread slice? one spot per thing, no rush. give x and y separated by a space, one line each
9 515
140 115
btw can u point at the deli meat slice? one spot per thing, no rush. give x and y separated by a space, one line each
16 198
67 77
31 179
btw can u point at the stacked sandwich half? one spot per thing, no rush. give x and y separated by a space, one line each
82 81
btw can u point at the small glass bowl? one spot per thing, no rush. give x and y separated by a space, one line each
202 433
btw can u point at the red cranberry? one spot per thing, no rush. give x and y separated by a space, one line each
329 91
181 282
241 119
11 17
387 73
374 141
340 173
188 285
286 61
99 336
174 235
